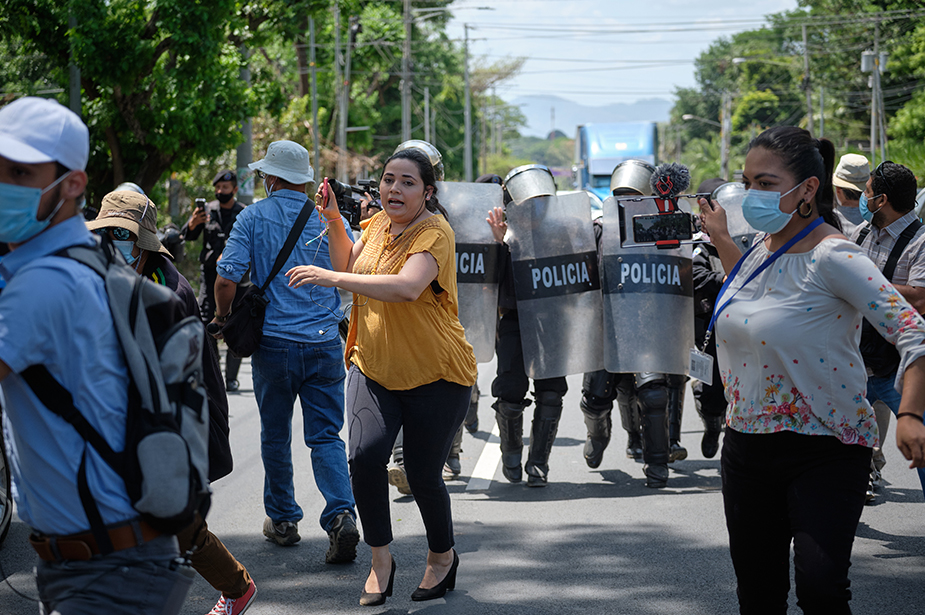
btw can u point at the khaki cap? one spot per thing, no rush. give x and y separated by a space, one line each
852 172
133 212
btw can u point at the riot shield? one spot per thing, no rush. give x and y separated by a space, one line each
557 285
730 197
648 296
477 260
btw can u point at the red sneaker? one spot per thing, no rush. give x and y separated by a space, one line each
235 606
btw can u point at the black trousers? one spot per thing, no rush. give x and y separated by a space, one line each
511 382
788 487
430 415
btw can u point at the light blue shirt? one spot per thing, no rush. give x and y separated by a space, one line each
54 312
308 314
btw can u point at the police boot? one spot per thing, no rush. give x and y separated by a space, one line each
629 417
675 411
599 424
472 414
653 402
510 417
712 428
545 425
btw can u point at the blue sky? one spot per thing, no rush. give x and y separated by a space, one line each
600 51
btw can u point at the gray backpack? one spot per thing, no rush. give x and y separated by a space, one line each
165 461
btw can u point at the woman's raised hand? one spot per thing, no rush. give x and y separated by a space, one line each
325 202
713 218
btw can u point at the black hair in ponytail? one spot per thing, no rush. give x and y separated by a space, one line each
804 157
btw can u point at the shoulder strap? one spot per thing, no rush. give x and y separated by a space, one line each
901 242
290 242
863 234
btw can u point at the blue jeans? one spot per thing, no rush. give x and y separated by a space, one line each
882 388
282 371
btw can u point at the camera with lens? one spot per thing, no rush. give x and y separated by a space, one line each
347 203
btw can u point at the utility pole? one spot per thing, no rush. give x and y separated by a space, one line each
73 73
245 151
806 82
406 77
342 172
870 63
427 114
725 132
314 68
338 86
821 112
467 114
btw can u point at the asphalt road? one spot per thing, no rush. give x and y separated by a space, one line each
593 541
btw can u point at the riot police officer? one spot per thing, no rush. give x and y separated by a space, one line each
650 403
511 383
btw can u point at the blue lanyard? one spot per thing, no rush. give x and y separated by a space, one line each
764 265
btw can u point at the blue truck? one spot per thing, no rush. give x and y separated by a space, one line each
601 147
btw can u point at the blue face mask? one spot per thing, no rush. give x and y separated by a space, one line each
19 210
762 210
866 213
125 247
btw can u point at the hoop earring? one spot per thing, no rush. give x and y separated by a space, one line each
800 209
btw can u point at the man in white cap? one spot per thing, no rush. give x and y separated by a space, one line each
850 180
300 353
54 312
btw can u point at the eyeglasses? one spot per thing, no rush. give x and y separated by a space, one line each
879 172
261 175
118 233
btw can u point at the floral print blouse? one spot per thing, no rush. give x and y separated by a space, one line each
788 343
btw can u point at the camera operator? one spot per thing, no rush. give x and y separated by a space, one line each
213 221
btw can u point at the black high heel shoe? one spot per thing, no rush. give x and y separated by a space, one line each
439 590
377 598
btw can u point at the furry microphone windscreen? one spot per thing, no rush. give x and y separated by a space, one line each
670 179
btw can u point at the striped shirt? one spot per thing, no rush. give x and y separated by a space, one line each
910 269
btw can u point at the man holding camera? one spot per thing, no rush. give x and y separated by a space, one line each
300 353
213 221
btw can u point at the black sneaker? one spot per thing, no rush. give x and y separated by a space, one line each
285 533
344 537
232 386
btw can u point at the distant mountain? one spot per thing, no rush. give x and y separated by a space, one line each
569 114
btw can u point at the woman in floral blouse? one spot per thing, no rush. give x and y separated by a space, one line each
797 449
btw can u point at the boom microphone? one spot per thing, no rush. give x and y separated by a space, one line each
670 180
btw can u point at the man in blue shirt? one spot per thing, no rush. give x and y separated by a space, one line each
54 312
300 353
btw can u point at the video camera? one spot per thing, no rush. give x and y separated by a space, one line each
349 205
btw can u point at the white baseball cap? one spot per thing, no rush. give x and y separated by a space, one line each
287 160
36 130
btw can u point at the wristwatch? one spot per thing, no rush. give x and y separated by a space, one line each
221 318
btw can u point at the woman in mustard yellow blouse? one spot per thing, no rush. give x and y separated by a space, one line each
409 362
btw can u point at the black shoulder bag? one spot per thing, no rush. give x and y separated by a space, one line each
244 328
880 356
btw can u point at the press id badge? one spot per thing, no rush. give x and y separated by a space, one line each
701 367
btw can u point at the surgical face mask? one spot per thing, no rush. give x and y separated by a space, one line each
125 247
762 210
19 210
866 213
222 197
266 188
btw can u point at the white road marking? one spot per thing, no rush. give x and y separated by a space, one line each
487 464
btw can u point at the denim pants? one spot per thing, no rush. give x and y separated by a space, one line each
787 487
430 415
282 371
881 388
143 580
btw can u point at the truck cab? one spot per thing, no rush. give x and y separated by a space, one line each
601 147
